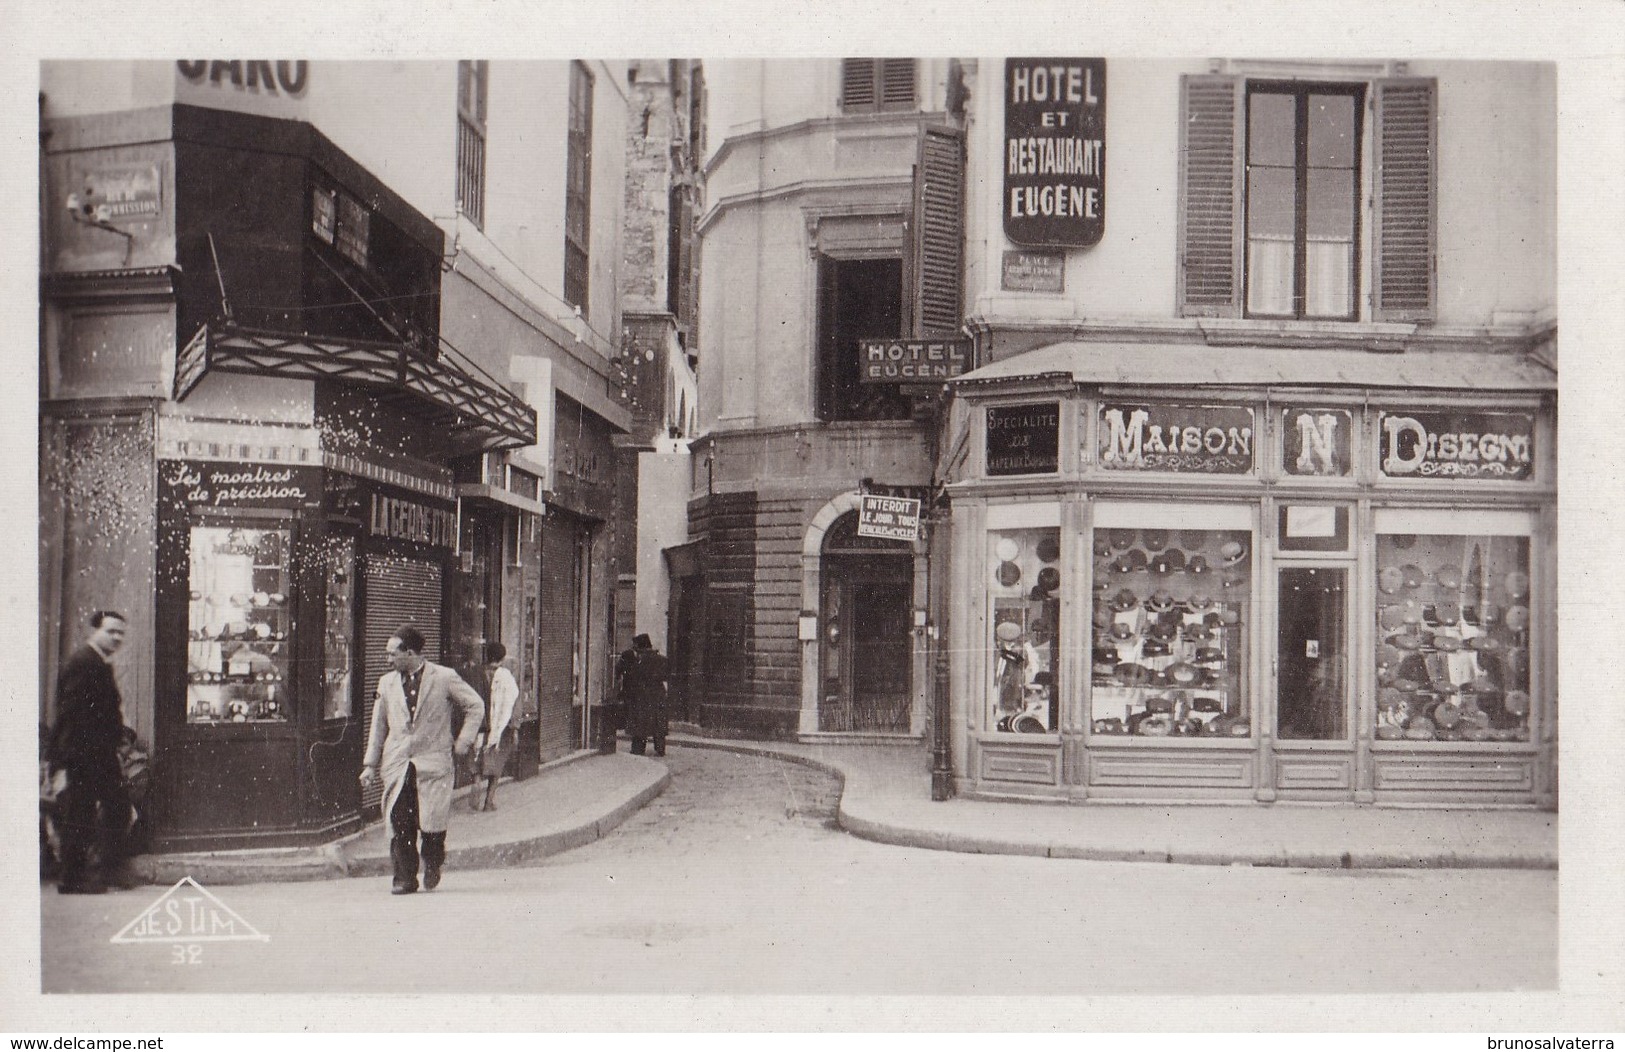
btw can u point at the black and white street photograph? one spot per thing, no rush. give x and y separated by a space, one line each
835 526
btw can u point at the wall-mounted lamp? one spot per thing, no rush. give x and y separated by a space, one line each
100 216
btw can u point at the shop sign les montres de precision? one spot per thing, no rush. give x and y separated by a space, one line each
230 484
1055 151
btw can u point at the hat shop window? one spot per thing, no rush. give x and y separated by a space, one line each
238 639
1023 586
1453 626
1170 622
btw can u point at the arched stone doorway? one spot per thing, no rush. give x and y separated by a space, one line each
865 645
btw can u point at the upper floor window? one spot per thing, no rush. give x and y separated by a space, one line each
1277 186
1303 189
876 85
472 84
578 187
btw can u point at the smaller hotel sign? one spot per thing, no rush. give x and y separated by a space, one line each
891 361
1458 445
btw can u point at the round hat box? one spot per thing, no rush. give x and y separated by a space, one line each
1008 574
1049 549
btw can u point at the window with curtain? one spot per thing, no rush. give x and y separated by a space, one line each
1302 203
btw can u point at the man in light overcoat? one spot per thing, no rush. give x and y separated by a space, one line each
411 743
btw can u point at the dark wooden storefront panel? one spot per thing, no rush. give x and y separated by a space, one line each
556 648
397 591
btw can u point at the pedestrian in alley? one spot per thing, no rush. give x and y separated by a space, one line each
641 674
84 742
493 757
411 741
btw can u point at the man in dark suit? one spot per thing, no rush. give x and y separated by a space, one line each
84 742
642 675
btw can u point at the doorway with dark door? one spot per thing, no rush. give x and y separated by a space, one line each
1312 681
867 587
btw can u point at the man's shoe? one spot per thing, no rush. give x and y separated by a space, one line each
124 877
82 887
431 876
403 887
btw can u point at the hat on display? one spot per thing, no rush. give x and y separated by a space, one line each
1170 561
1154 647
1007 574
1137 560
1103 546
1208 655
1482 684
1448 613
1123 633
1038 595
1232 552
1517 618
1449 578
1446 714
1049 578
1164 630
1517 584
1161 601
1049 549
1390 698
1157 726
1184 674
1391 579
1102 586
1124 601
1445 642
1121 564
1007 549
1155 540
1158 678
1007 631
1413 575
1517 662
1196 632
1411 612
1389 656
1484 644
1193 539
1130 674
1197 565
1199 602
1407 641
1391 618
1122 540
1516 702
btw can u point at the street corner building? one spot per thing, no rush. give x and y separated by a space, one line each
311 369
1227 389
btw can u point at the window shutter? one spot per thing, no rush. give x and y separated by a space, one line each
857 83
1405 201
897 83
939 203
1210 196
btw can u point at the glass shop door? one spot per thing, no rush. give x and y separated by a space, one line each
1312 696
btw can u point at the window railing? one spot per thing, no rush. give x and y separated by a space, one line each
471 171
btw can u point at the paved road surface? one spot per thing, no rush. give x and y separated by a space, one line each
735 881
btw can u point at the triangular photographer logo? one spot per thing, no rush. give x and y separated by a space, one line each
188 912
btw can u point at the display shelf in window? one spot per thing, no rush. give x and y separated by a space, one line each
339 638
1453 623
239 629
1024 581
1168 638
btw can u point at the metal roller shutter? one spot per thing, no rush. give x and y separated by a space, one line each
397 592
554 667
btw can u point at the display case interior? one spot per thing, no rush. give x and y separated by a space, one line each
1453 626
239 635
1169 633
1024 582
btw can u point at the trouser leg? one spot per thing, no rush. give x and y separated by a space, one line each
434 850
403 847
112 827
78 826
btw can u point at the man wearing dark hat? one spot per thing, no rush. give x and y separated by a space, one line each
641 674
84 742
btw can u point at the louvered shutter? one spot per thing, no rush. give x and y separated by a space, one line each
397 592
1405 200
857 83
1210 197
896 83
939 204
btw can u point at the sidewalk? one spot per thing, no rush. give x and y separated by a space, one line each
886 797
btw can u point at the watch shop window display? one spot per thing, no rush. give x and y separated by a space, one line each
1168 639
1024 581
1453 638
238 640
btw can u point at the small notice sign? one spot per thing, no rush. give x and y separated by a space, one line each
1034 272
894 518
